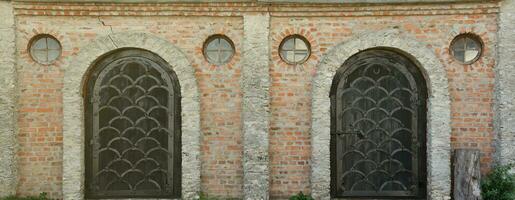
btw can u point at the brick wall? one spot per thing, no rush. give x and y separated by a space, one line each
188 26
39 121
40 101
471 86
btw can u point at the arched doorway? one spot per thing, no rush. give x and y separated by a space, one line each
378 127
133 127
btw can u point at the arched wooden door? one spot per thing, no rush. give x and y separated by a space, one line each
378 128
133 143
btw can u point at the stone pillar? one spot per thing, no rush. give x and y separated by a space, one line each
505 85
255 84
8 139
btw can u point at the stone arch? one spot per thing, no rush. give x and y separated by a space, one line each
438 119
75 76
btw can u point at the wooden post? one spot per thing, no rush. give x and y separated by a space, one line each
466 174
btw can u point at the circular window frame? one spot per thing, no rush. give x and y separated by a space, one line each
212 38
295 36
473 37
38 37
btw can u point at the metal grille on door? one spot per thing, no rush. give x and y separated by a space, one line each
378 128
134 134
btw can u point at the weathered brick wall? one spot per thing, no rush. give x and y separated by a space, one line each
40 102
188 26
471 86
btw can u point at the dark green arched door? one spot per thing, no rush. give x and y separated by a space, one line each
133 143
378 128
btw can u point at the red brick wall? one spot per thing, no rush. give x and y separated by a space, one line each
470 86
40 101
40 126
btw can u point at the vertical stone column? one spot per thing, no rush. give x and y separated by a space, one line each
505 85
8 141
255 84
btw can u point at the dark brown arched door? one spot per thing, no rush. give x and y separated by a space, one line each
133 143
378 128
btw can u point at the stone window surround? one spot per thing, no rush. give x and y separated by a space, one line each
438 121
73 124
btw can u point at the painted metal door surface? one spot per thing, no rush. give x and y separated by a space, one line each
133 128
378 107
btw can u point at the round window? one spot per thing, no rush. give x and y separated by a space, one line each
218 49
45 49
466 48
294 49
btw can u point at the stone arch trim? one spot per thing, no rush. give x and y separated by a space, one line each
75 76
438 121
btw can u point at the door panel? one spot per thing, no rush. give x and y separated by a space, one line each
378 127
132 128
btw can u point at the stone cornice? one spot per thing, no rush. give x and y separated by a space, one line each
263 1
240 8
